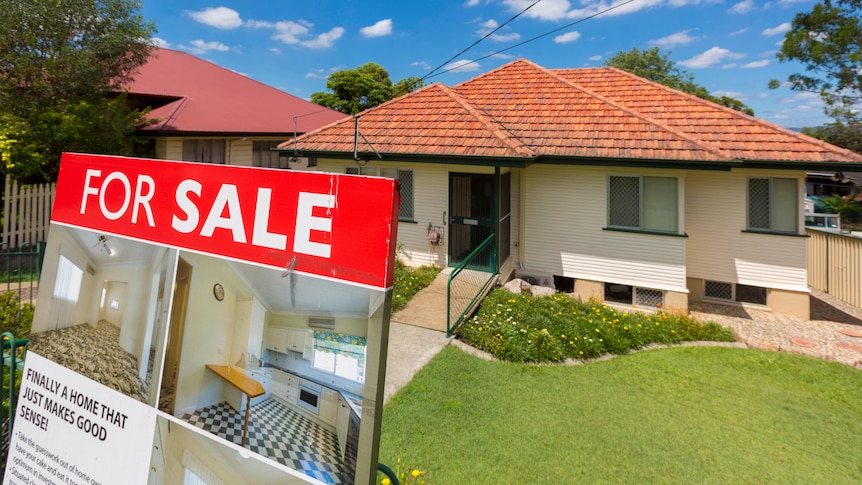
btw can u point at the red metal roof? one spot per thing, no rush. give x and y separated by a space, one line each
522 110
203 98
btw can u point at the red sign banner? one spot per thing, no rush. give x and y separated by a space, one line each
336 226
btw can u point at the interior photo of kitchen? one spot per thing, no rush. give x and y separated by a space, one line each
271 360
103 308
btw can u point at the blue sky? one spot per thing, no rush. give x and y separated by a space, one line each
729 46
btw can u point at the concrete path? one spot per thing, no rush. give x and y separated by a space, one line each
418 332
410 348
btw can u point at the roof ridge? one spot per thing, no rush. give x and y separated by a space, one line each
490 123
740 114
691 139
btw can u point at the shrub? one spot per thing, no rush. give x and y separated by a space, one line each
523 328
408 282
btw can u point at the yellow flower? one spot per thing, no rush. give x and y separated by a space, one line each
581 352
386 481
480 329
415 473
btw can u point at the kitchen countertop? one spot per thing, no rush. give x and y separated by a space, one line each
353 400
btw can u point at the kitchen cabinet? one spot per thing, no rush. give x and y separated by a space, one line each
282 339
249 316
301 341
285 386
342 423
276 339
328 406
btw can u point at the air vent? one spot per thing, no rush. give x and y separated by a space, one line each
320 322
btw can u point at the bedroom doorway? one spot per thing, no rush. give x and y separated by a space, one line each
171 366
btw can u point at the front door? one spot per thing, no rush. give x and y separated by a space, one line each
471 205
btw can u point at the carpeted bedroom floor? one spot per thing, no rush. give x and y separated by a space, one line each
94 352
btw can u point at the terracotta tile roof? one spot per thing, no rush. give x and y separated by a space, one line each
522 110
192 95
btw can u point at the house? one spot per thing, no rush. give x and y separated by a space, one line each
593 180
204 112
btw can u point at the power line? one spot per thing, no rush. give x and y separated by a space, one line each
474 44
532 39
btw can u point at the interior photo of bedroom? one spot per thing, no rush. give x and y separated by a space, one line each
104 308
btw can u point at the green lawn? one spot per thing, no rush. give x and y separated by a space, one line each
679 415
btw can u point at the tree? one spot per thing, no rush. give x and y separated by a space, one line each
655 66
61 67
828 41
355 90
843 133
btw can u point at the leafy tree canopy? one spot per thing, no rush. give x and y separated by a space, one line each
59 60
843 133
828 42
656 66
354 90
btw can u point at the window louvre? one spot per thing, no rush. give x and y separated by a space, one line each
773 204
624 205
645 203
263 156
406 186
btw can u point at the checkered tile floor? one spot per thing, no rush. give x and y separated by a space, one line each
277 432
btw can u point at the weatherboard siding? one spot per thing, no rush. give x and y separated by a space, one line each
564 216
719 250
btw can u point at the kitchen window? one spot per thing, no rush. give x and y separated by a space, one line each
773 205
340 354
643 204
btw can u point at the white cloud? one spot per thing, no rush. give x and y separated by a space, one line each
738 32
422 64
730 94
673 40
286 31
219 17
461 66
325 40
159 42
742 7
777 30
556 10
316 74
489 26
709 58
471 3
276 51
595 58
379 29
755 64
201 47
567 37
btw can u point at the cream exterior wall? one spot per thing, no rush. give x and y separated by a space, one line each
431 206
719 250
564 217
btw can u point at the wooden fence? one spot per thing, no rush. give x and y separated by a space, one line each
835 264
26 213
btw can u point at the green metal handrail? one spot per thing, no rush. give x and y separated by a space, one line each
12 361
388 472
488 242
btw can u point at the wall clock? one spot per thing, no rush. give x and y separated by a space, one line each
218 292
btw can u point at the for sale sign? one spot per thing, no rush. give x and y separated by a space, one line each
205 322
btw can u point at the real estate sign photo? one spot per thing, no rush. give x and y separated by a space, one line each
207 324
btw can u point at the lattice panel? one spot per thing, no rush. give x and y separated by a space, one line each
758 204
624 201
406 191
718 290
648 298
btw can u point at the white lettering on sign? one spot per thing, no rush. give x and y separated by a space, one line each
227 197
261 235
144 199
306 222
188 207
140 198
